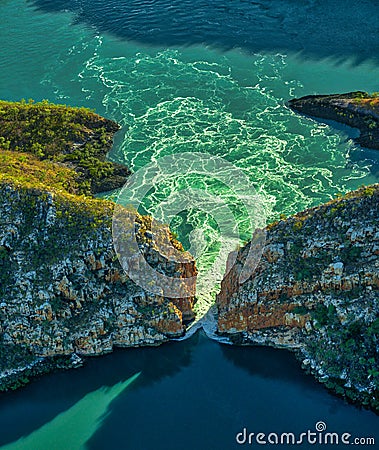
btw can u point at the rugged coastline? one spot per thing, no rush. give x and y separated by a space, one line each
316 289
63 292
64 295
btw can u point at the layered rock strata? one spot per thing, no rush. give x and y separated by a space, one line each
63 292
315 291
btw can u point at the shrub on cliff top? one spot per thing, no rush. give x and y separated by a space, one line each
47 127
75 136
368 100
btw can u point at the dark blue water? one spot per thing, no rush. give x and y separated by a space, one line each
316 28
194 394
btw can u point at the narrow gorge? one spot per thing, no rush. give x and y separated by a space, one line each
64 294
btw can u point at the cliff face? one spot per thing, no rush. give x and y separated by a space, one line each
356 109
63 292
316 290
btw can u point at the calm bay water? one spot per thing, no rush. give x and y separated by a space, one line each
196 77
192 394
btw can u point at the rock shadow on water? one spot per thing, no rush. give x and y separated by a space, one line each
313 28
50 403
268 363
72 428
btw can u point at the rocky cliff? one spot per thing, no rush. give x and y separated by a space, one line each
356 109
316 291
62 289
63 292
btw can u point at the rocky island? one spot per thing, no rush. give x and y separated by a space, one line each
63 293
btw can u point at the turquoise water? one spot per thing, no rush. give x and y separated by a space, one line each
181 88
195 99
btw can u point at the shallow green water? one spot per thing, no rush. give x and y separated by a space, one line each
72 428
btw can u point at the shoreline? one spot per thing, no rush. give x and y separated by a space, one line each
357 109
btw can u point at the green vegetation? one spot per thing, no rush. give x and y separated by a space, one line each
368 191
301 309
333 208
54 150
51 162
3 252
26 168
27 365
374 328
296 230
350 254
306 268
33 181
48 130
77 215
347 352
365 99
68 206
342 343
324 315
75 137
298 225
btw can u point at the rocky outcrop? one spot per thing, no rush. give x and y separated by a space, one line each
356 109
63 293
316 291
